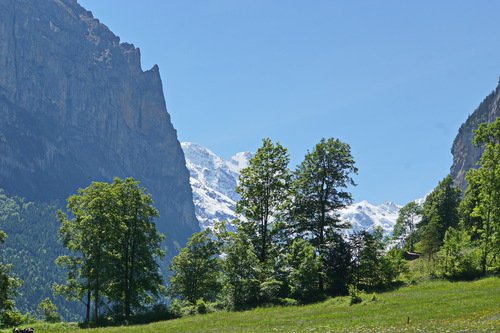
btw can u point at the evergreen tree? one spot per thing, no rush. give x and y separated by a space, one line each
263 187
370 267
319 187
195 270
406 223
440 211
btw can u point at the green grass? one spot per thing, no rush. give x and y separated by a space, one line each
434 306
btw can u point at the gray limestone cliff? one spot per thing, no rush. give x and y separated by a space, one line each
75 106
465 154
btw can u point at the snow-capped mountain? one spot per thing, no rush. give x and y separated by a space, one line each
214 180
366 216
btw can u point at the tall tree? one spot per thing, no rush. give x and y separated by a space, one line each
113 246
483 195
87 236
320 189
406 223
440 211
195 270
136 278
263 187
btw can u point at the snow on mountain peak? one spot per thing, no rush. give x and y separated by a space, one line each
213 181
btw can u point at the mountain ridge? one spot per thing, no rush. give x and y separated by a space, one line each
213 182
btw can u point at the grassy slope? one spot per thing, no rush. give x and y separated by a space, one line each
437 306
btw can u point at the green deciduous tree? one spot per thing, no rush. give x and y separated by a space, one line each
242 273
135 276
48 311
263 187
319 187
481 212
304 267
113 245
196 269
406 223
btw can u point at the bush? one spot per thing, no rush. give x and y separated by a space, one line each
10 318
201 306
354 294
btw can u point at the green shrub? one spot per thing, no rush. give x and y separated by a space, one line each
10 318
201 306
354 294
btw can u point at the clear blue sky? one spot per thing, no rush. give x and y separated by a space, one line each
394 79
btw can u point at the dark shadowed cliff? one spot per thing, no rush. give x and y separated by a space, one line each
75 106
465 154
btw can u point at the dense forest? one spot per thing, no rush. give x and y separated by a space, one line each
290 245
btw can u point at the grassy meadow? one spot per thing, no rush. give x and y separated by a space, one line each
433 306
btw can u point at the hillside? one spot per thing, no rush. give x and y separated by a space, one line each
435 306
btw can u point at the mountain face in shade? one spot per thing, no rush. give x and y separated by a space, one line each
76 107
214 180
465 154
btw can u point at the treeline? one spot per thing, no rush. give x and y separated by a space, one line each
29 249
289 245
459 233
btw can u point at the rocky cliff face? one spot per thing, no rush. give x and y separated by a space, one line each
75 106
465 154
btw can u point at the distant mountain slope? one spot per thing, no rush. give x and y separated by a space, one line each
213 181
465 154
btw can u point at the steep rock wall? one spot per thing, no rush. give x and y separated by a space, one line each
75 106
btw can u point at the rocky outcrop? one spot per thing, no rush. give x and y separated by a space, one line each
465 154
75 106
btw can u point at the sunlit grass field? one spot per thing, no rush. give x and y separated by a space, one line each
434 306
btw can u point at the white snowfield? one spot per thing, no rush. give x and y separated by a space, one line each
214 180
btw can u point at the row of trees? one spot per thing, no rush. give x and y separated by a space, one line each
288 241
460 232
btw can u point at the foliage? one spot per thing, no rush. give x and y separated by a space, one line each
482 197
459 258
263 187
48 311
195 270
242 274
113 246
406 222
304 265
440 211
319 188
371 268
338 265
8 287
30 250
